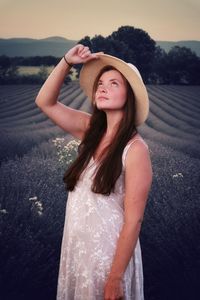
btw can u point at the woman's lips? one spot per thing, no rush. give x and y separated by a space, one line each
102 98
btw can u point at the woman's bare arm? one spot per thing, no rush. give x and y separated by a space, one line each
138 179
71 120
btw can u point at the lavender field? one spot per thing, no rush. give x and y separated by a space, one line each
33 199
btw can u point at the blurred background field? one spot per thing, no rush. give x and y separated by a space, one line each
32 196
33 70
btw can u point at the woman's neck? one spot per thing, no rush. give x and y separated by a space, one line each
113 120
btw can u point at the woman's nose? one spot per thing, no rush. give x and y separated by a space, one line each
103 88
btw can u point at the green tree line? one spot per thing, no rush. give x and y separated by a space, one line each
179 66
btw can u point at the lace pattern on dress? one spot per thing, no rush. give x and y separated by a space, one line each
92 226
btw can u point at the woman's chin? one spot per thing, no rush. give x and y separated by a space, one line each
104 107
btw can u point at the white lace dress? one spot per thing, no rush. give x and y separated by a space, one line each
91 230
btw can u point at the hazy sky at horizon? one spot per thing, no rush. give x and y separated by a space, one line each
167 20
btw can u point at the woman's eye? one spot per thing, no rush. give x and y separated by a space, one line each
114 83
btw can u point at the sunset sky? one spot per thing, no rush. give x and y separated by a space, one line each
164 20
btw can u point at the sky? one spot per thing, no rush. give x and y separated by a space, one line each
163 20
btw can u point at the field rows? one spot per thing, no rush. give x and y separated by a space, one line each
30 169
174 113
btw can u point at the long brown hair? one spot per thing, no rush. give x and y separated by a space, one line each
106 176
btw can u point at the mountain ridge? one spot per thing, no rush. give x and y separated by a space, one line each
57 46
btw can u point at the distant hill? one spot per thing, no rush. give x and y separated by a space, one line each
57 46
193 45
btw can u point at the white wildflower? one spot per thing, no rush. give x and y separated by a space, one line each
66 152
177 175
37 205
3 211
33 198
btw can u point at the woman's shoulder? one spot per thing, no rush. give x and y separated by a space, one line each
134 139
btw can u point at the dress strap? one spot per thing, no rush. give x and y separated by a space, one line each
128 146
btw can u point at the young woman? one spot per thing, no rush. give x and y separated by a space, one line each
109 182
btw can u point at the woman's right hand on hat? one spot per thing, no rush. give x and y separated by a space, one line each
80 54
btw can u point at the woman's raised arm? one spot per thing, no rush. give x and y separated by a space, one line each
71 120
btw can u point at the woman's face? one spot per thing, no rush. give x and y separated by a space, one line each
111 92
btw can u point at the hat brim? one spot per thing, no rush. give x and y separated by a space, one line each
91 69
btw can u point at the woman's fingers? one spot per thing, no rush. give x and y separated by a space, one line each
83 50
85 53
81 54
79 47
90 57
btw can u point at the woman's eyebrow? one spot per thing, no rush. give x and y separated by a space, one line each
116 79
112 79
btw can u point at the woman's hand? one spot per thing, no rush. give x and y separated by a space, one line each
80 54
113 289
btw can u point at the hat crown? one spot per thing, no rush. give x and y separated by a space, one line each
136 70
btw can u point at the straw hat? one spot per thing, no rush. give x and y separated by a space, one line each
91 69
